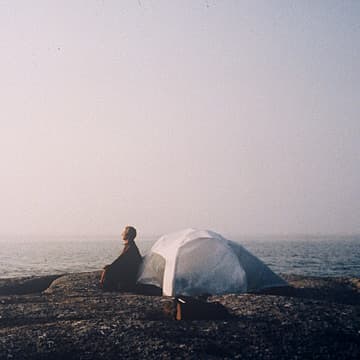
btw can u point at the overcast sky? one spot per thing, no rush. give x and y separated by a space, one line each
236 116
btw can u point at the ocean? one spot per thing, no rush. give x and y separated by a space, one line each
304 255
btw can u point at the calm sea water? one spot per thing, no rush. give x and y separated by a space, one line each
310 255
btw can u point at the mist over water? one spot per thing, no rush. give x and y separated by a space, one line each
310 255
227 115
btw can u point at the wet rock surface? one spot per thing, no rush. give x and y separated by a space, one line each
316 318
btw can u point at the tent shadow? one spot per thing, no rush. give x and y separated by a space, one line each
150 290
186 308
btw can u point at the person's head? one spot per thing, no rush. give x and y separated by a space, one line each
128 234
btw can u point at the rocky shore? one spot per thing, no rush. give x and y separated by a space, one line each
69 317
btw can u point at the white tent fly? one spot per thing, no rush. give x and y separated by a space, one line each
193 262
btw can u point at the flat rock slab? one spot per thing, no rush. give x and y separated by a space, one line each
74 319
27 285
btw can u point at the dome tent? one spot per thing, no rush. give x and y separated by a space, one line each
193 262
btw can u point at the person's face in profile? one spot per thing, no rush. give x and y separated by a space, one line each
124 236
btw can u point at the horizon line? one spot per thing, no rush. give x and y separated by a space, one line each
79 235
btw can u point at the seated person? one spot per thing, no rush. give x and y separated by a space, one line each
121 274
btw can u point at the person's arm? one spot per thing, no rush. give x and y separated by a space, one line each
107 269
118 263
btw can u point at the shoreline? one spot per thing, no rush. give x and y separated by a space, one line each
69 316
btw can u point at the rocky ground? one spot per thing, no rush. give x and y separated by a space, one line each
316 318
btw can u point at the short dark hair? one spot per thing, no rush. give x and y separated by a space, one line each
130 233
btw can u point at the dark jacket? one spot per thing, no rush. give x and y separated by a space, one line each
121 274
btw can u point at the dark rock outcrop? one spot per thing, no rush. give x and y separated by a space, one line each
75 319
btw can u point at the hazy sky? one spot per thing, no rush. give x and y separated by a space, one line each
236 116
